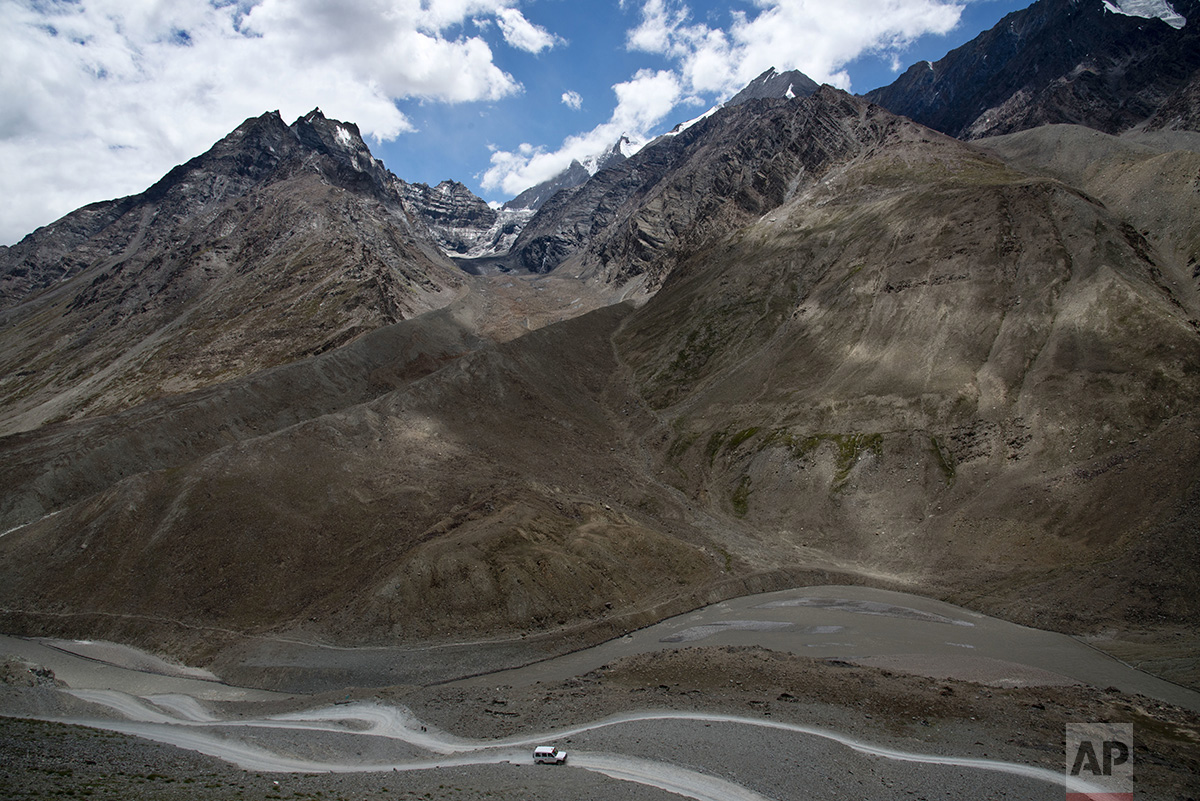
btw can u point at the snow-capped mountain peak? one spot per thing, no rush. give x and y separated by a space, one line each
771 84
622 149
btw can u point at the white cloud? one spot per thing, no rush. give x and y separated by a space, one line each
644 101
817 38
396 49
522 34
661 24
102 97
572 100
642 104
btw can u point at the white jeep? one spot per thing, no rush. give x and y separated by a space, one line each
548 754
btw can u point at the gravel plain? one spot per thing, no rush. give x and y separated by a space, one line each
1024 725
361 732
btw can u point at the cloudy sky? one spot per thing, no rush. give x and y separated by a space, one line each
99 98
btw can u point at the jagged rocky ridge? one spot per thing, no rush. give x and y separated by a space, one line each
776 85
467 228
575 175
279 242
559 232
636 220
1057 61
462 223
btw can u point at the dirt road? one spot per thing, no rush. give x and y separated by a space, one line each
694 753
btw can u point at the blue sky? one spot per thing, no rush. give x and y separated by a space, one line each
100 98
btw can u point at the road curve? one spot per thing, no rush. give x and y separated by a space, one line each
212 737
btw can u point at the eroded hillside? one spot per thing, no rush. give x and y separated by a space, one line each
921 367
279 243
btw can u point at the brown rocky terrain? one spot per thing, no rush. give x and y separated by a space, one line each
279 243
1180 111
948 716
1151 180
1021 450
463 225
928 369
800 342
635 221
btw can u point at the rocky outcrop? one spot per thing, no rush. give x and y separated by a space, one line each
279 242
576 174
776 85
637 220
1180 111
449 204
463 225
951 368
536 196
1058 61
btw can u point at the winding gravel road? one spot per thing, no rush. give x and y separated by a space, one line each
705 756
197 730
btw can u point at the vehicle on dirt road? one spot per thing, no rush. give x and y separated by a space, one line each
549 755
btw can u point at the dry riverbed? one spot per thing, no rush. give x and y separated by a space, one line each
908 712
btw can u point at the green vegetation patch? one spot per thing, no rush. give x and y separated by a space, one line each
741 497
798 446
682 445
903 174
723 440
701 345
850 447
740 437
944 459
714 445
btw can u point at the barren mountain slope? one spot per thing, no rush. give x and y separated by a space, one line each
493 495
635 221
56 466
926 370
1151 180
53 467
278 243
1180 111
935 368
1057 61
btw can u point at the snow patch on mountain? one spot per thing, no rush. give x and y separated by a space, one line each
618 152
342 136
771 84
683 126
462 224
499 238
1147 9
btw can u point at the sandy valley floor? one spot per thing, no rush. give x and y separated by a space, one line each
695 717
